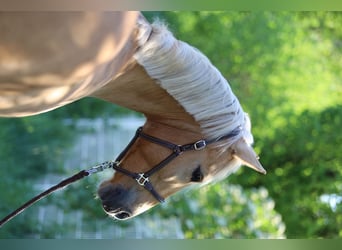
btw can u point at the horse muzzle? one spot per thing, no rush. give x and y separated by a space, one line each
116 201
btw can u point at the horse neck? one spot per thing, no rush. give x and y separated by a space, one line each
136 90
190 92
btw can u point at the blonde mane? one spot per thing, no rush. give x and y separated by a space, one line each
189 77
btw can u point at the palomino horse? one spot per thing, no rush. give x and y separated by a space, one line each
196 130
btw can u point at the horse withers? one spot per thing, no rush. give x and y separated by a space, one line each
195 131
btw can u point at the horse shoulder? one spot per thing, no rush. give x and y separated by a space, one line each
51 59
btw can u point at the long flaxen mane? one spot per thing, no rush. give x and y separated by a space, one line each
189 77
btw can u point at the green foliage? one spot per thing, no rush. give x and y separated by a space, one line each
34 143
13 192
85 193
226 211
90 108
304 164
29 149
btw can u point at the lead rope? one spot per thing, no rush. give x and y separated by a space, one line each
62 184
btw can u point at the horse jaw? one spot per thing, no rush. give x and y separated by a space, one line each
245 153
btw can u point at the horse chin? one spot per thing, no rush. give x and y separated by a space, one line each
125 214
121 214
122 203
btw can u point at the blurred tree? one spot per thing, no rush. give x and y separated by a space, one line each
91 108
226 211
29 148
304 165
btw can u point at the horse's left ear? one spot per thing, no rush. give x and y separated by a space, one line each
246 154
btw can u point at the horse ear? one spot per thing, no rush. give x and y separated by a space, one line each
246 154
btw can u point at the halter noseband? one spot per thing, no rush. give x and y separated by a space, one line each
143 178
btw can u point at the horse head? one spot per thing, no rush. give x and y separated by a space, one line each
151 169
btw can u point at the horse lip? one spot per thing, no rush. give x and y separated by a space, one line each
118 213
121 214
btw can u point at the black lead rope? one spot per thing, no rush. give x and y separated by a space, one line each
62 184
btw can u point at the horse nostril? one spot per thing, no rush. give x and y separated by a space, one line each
122 215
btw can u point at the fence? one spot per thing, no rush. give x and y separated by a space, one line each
101 140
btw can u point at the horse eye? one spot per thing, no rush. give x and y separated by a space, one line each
197 175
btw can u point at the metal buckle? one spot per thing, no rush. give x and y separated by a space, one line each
141 180
101 167
200 145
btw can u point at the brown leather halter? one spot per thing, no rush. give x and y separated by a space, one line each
143 178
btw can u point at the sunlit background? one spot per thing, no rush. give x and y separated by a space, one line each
285 68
